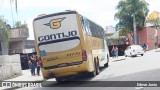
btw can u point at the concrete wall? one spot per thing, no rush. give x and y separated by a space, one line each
29 44
146 36
16 47
19 33
118 41
10 66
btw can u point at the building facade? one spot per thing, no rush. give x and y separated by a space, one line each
110 31
18 36
148 36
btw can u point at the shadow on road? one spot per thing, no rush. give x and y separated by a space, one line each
120 81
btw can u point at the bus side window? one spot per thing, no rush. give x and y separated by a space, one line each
88 29
85 25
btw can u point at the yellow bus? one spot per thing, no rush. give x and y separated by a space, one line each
67 43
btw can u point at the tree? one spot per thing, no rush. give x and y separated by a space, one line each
18 24
5 33
154 19
127 9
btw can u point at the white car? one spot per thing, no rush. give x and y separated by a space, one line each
134 50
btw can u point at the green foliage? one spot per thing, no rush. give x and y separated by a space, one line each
126 10
123 32
4 29
18 24
155 22
117 37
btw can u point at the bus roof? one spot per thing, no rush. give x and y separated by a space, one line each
55 14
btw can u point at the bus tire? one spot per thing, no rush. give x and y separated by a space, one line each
106 64
97 67
94 73
59 79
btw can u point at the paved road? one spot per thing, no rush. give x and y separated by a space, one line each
150 60
141 68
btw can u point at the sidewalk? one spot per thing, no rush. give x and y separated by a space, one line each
117 59
154 50
26 76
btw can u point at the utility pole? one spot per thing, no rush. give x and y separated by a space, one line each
135 31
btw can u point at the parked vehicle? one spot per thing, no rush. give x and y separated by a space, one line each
134 50
67 43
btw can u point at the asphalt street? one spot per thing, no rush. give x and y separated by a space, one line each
133 70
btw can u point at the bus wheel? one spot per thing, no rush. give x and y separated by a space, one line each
106 64
97 68
94 73
59 79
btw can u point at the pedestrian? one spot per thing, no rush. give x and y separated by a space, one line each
113 51
116 52
144 47
38 67
29 63
33 65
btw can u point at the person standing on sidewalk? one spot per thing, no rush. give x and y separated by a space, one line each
144 47
38 67
116 52
113 51
33 65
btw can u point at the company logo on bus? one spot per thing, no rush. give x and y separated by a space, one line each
55 23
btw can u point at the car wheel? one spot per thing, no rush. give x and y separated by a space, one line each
141 54
125 55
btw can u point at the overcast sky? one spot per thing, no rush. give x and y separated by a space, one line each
100 11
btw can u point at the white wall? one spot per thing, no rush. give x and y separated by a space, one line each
10 65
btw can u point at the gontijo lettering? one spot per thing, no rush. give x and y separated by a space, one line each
57 36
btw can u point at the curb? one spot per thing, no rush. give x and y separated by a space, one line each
119 60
